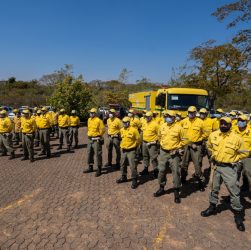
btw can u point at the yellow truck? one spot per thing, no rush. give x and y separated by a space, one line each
177 99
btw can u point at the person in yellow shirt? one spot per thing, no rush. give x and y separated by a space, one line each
194 132
172 141
17 127
245 132
233 117
134 121
130 141
44 125
178 118
63 124
114 125
95 132
36 118
150 144
218 114
28 128
227 150
6 127
74 125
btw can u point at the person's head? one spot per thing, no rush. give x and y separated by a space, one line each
3 113
62 111
232 115
218 113
131 113
170 117
112 113
18 114
144 113
149 116
39 112
203 113
178 116
242 122
73 112
15 111
192 112
126 121
225 124
93 112
26 113
44 110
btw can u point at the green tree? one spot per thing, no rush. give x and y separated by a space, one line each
72 93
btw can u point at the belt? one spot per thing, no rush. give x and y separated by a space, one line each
128 150
222 164
94 138
43 128
74 126
27 133
198 143
63 127
165 150
113 136
150 143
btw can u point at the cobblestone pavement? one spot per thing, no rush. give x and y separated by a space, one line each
51 204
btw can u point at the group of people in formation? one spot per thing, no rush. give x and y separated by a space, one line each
34 129
168 142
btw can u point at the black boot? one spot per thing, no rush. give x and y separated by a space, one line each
122 179
41 153
24 158
183 177
68 148
160 192
201 185
48 155
76 146
155 173
117 166
177 195
32 159
211 210
238 218
145 171
134 183
98 173
4 154
12 156
59 147
89 169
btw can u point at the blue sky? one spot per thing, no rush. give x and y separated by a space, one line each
100 37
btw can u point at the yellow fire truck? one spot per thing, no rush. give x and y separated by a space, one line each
177 99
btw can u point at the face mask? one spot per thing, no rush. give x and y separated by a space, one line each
130 114
148 119
111 115
168 120
91 115
242 124
202 116
178 118
224 129
126 124
217 115
191 115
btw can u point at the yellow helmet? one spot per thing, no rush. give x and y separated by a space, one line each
192 109
126 119
93 110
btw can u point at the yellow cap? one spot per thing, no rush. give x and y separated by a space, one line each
39 111
62 110
241 113
73 111
219 110
179 114
226 119
15 110
44 109
36 108
203 110
192 109
112 110
232 113
170 113
26 111
149 113
131 110
126 119
3 112
243 118
144 111
93 110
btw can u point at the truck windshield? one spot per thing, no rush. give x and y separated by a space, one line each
182 102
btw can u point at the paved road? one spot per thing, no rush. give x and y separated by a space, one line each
51 204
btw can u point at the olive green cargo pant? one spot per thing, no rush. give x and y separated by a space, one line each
113 142
74 135
246 170
94 147
196 156
44 135
28 145
229 176
64 135
6 144
128 156
150 152
167 160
